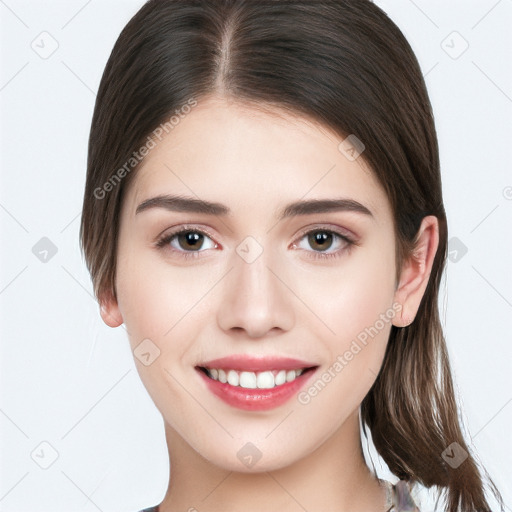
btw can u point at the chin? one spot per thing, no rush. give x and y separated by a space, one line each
263 465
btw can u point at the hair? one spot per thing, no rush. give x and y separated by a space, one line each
346 65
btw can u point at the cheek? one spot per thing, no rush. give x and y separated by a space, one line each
154 295
358 308
352 295
161 303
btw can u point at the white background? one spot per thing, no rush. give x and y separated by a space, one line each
70 381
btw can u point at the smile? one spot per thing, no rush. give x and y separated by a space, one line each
255 384
253 380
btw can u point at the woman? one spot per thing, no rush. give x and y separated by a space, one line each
263 211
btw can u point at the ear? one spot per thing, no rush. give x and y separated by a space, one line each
109 310
416 271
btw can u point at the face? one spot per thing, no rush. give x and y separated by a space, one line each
255 281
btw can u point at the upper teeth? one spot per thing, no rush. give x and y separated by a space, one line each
252 380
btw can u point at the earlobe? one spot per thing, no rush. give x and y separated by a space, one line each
109 310
416 272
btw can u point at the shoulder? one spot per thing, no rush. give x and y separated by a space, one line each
399 497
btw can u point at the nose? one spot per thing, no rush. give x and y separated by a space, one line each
254 299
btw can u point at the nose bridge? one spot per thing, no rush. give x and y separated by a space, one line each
254 299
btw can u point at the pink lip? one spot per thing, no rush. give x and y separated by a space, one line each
247 363
256 399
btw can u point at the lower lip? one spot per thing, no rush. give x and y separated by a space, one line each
256 399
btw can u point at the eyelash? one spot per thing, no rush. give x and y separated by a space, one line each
163 242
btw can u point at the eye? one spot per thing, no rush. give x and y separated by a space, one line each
190 242
325 243
187 241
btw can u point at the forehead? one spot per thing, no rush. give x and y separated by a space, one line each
246 156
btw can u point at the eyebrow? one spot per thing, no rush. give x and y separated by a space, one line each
301 207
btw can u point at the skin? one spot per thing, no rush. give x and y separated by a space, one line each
284 303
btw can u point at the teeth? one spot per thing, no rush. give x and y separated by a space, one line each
290 375
233 378
280 378
265 380
247 380
253 380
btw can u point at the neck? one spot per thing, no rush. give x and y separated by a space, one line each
332 477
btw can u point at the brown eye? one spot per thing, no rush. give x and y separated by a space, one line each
320 240
187 241
190 240
323 243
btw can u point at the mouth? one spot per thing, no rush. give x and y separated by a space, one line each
268 379
255 384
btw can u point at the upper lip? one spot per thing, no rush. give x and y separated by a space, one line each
244 362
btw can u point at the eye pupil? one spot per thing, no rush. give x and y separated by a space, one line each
320 238
192 238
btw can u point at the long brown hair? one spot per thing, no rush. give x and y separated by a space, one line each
343 63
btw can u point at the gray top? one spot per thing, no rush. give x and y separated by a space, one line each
399 498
